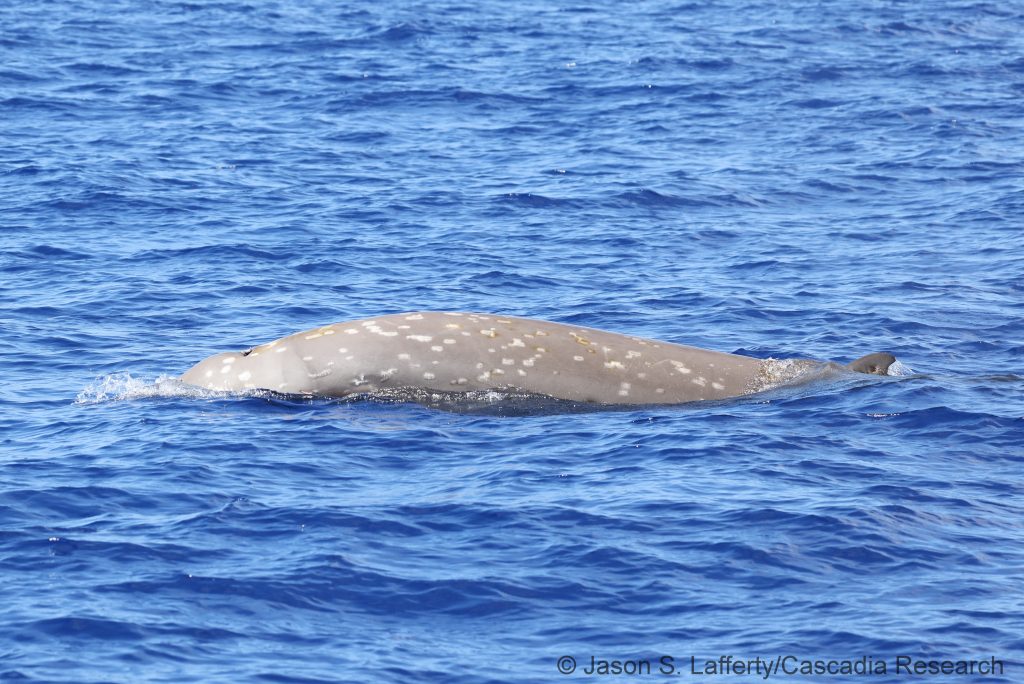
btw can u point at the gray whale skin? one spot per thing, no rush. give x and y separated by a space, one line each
464 352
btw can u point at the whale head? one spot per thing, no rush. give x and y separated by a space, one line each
277 369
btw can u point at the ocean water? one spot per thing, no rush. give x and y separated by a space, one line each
817 180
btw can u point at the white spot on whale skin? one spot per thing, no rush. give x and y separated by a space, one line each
404 357
342 350
209 374
484 377
450 313
452 326
386 374
718 386
479 365
521 372
351 331
405 327
577 358
414 317
314 336
386 333
460 381
516 342
322 374
225 368
428 376
465 332
244 376
699 381
361 380
328 332
419 338
528 362
659 390
230 359
281 349
613 364
681 367
508 362
367 324
498 371
437 347
489 332
307 358
633 354
449 340
641 376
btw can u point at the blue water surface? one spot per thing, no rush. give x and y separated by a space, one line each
816 180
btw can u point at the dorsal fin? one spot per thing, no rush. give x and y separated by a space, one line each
876 364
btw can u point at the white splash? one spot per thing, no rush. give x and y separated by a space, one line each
124 387
898 368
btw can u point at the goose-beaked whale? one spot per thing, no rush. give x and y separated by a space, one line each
464 352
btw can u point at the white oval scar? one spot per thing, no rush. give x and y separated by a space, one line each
577 358
307 358
437 347
419 338
209 374
281 349
508 362
428 376
244 376
351 331
404 357
632 354
449 341
516 342
613 364
414 317
342 350
699 381
225 369
314 336
528 362
230 359
718 385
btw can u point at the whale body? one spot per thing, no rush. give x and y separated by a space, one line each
466 352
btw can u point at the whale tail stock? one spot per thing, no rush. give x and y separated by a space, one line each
876 364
